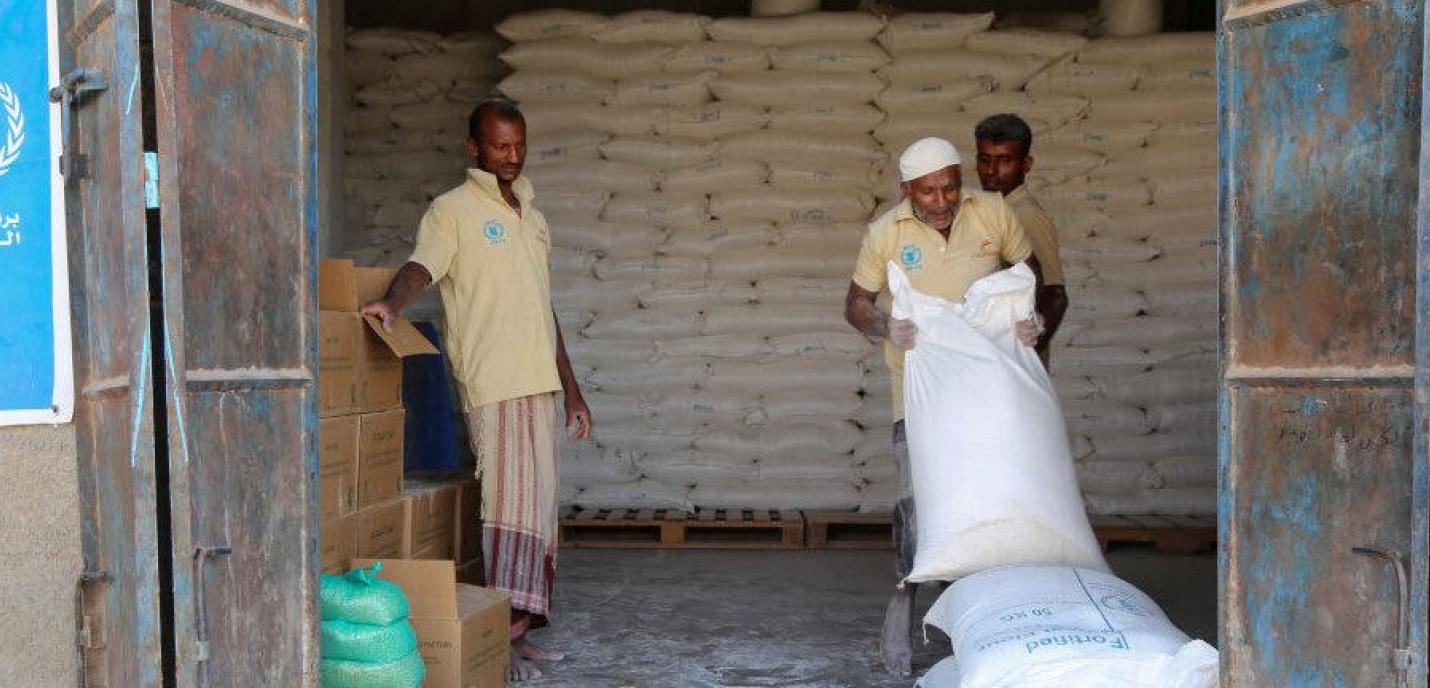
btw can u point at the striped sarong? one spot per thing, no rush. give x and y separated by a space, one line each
515 444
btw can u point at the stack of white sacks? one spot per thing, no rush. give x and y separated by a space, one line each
410 93
708 183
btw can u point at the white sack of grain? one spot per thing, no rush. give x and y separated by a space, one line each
608 238
392 42
814 343
1189 442
1054 109
778 262
766 320
1091 193
436 115
775 88
601 174
781 406
829 56
590 465
699 409
1104 419
1163 386
710 121
1047 44
818 374
364 68
712 238
603 353
645 324
1186 471
673 90
652 25
659 152
570 263
1008 72
787 494
1193 501
691 467
1153 106
560 147
814 26
827 440
652 380
915 31
695 296
651 268
722 56
588 294
397 92
743 345
550 23
658 209
1185 189
789 147
587 57
1143 331
1181 77
797 175
555 86
645 494
826 291
932 96
574 204
1109 251
400 166
832 120
630 120
722 173
1112 477
1087 79
807 469
366 121
444 69
791 206
1054 158
1157 49
472 91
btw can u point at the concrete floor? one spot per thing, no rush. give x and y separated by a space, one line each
709 619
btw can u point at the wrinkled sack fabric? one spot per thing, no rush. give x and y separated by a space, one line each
993 476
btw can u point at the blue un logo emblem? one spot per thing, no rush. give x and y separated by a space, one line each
494 232
911 257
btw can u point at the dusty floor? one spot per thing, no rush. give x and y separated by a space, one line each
704 619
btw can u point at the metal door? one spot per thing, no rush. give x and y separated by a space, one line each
236 114
118 615
1320 124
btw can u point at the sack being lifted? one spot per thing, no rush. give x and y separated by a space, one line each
993 477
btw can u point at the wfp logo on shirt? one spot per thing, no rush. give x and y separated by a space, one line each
911 257
495 233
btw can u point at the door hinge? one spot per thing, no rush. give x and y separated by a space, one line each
151 180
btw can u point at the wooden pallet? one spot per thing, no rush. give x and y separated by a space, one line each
848 530
662 528
1169 534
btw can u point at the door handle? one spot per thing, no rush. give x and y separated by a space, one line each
201 631
84 623
1403 658
73 86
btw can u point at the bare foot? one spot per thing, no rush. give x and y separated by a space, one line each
529 650
895 646
522 670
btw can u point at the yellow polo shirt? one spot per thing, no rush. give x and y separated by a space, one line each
490 263
984 236
1041 233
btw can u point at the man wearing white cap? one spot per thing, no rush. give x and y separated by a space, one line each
945 240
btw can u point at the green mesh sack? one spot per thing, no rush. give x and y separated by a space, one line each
404 672
366 642
359 596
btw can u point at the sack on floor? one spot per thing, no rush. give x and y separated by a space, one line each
406 672
992 471
359 596
1061 627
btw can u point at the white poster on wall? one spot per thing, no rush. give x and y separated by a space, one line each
36 372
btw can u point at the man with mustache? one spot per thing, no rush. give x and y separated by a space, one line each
486 247
1005 146
944 240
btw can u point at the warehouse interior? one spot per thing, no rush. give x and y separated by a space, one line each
707 202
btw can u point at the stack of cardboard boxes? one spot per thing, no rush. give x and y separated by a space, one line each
371 512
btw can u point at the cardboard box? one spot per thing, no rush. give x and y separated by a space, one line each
337 467
467 532
431 516
380 385
380 533
371 284
340 342
380 456
462 630
336 282
338 544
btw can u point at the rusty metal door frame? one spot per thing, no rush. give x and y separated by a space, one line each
1322 447
1420 537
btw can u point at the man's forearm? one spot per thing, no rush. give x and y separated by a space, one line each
866 317
409 281
1052 304
563 363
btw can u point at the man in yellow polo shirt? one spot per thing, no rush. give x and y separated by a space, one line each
1005 145
945 240
486 247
